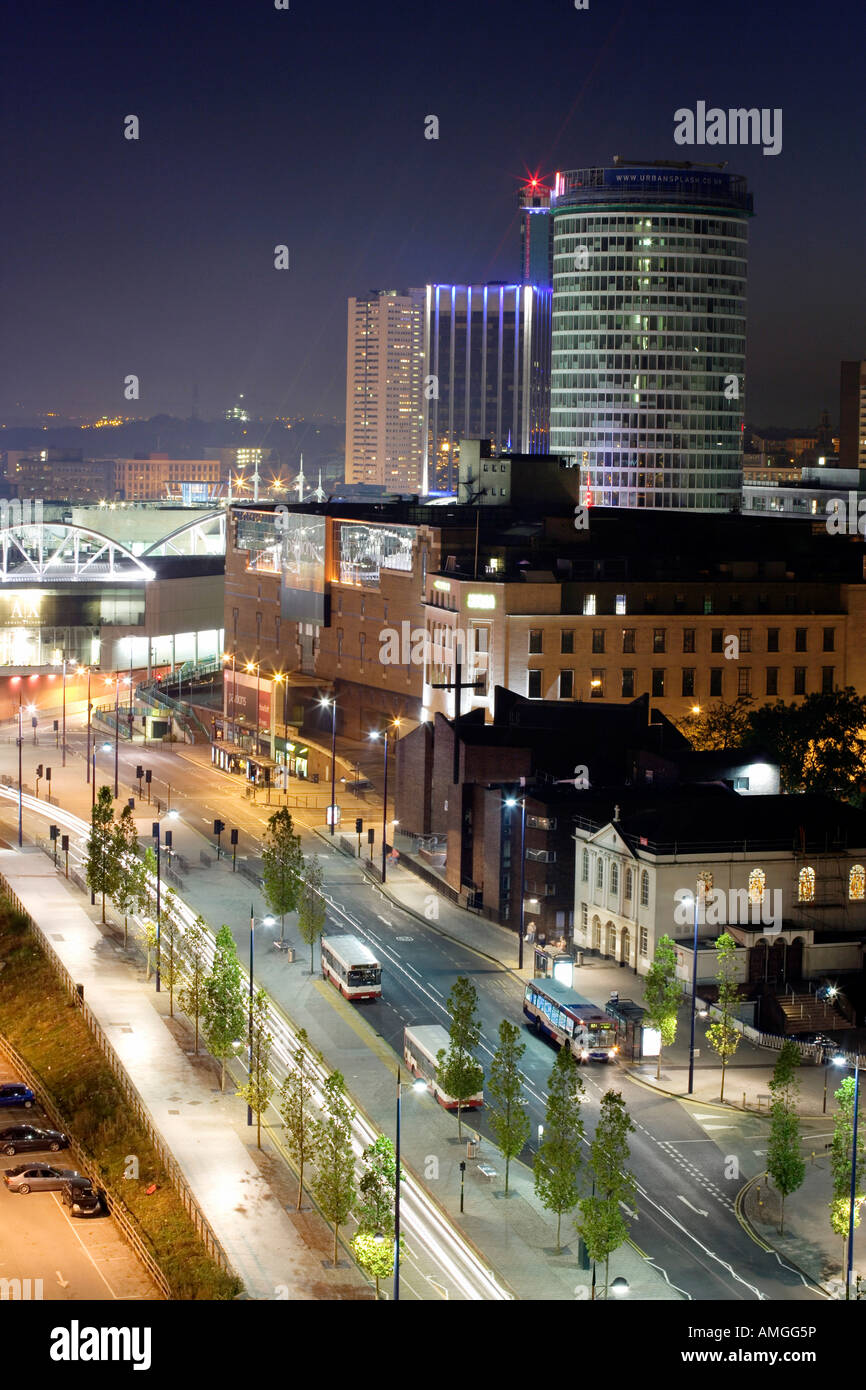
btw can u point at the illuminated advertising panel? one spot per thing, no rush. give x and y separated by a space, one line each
364 551
240 699
302 586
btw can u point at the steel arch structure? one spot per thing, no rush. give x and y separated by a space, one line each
204 535
59 552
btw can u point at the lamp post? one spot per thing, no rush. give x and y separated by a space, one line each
849 1275
512 801
63 731
89 715
325 702
417 1085
375 734
698 887
267 921
20 783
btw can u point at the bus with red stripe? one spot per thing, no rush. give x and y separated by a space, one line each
422 1044
350 965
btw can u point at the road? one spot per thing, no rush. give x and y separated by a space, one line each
689 1167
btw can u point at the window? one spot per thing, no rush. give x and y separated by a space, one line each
705 882
643 942
339 644
799 639
741 784
717 635
541 822
628 882
658 682
829 639
627 691
857 883
535 641
614 877
596 685
708 603
589 605
628 639
599 872
772 639
806 886
799 680
688 680
620 604
533 685
715 680
566 643
584 866
745 639
566 685
362 641
659 636
598 639
827 679
772 680
584 916
744 680
757 882
644 889
688 639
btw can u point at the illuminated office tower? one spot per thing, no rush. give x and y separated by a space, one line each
536 240
852 416
383 389
649 334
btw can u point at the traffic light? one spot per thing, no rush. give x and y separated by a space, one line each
218 827
139 772
53 831
39 771
48 774
359 824
234 837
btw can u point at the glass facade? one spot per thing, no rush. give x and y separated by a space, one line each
649 335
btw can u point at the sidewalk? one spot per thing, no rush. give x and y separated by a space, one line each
268 1246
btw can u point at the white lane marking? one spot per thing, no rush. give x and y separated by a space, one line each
709 1127
698 1210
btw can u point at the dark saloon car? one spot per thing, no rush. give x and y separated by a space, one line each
40 1177
81 1201
13 1093
28 1139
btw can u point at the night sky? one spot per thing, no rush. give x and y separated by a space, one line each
306 127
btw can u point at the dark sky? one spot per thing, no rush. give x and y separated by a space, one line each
306 127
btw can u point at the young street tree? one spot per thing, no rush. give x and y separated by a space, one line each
282 865
663 995
259 1087
224 1015
147 905
459 1074
170 951
722 1035
557 1163
508 1115
191 995
311 907
785 1163
601 1222
130 891
101 857
296 1093
334 1183
373 1245
841 1149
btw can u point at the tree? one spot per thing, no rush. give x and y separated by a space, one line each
334 1183
282 865
224 1015
191 995
147 905
841 1157
373 1245
819 743
721 725
130 890
557 1162
296 1092
170 956
259 1087
101 857
458 1072
311 907
508 1115
784 1160
602 1224
722 1035
663 994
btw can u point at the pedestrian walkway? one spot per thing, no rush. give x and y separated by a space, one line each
267 1245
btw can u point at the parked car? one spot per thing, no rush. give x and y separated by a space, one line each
13 1093
81 1201
39 1177
24 1138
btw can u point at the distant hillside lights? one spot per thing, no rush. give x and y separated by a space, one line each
14 512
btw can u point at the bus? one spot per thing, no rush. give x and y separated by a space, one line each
421 1047
567 1018
352 967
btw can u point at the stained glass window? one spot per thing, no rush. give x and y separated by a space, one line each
857 883
757 880
806 886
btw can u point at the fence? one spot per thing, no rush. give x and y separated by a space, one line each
813 1052
168 1160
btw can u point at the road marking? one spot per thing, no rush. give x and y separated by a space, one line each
628 1211
697 1210
64 1283
384 919
709 1127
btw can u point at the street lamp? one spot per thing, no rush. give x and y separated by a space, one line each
417 1085
849 1279
375 734
20 779
325 702
699 886
257 667
267 921
89 718
511 802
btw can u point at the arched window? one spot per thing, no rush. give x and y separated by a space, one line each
614 877
757 881
599 872
628 885
706 878
584 867
644 889
806 886
857 883
596 934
